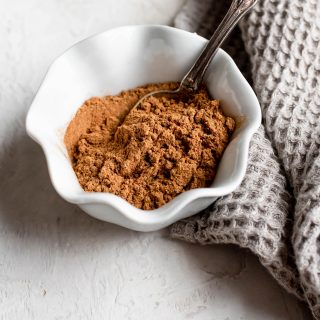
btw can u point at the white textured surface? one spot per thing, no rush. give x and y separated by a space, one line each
58 263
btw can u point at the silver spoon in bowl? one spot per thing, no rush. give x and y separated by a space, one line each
194 76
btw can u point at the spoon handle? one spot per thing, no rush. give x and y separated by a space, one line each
236 11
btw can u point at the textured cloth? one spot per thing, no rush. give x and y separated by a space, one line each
276 210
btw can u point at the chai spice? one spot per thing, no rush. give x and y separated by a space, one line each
148 155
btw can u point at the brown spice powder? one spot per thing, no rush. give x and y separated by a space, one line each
148 155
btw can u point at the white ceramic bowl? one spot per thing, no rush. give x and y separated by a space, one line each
125 58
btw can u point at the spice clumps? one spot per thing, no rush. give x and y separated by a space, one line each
149 154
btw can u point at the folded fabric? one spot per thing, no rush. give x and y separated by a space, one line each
276 210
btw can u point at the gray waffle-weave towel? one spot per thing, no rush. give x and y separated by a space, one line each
276 210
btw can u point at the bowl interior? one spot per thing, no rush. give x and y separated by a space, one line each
125 58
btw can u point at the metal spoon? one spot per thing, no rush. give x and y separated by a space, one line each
193 78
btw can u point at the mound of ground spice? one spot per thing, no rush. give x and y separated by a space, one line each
150 154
